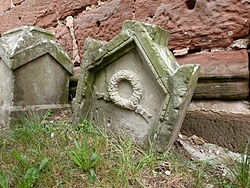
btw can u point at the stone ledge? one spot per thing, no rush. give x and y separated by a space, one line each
18 113
226 123
219 65
223 75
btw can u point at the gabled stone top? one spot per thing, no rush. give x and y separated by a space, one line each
138 53
151 39
24 44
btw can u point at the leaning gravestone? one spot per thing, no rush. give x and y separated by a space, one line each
34 74
133 83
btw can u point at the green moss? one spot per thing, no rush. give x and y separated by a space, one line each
64 61
150 40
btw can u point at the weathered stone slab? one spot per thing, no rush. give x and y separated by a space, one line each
223 75
134 83
226 123
219 65
222 89
34 73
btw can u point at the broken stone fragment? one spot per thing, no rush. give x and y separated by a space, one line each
133 85
181 52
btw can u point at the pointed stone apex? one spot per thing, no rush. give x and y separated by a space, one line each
30 29
133 83
157 33
24 44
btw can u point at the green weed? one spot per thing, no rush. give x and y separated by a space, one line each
35 154
32 172
3 180
241 170
87 127
29 131
84 158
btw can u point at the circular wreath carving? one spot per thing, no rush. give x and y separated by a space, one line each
134 100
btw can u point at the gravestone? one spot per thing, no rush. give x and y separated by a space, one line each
34 74
133 84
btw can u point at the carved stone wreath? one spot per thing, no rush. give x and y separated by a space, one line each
134 99
132 103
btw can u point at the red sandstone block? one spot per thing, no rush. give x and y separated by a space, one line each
223 75
209 24
43 13
4 5
103 23
225 64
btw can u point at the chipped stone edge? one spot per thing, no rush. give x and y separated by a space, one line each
146 35
13 61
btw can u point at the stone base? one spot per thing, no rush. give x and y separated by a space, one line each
16 114
226 123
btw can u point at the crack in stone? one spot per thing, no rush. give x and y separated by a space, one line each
166 8
18 4
87 8
12 5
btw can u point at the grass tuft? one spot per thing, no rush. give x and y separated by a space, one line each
3 179
240 171
60 154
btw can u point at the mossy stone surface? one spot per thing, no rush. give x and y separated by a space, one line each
136 63
34 73
22 45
